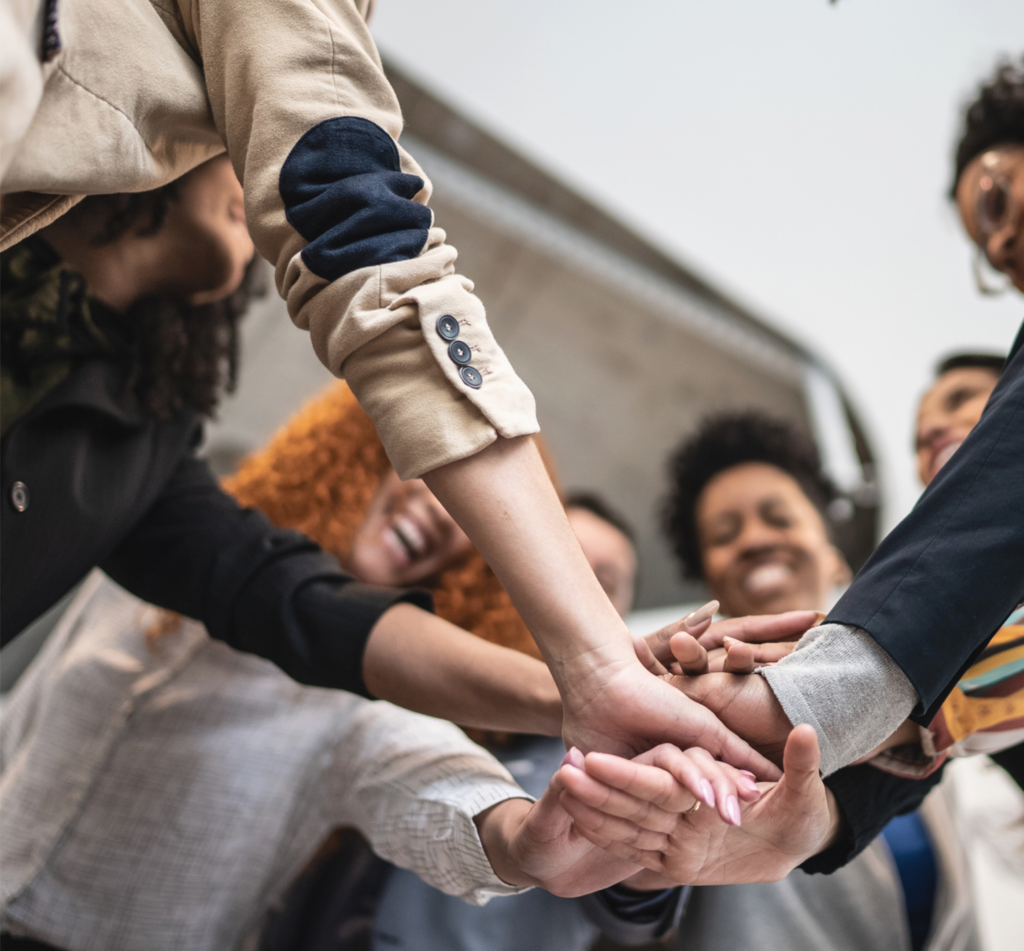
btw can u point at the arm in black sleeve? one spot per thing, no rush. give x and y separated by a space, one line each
943 581
868 799
264 590
630 917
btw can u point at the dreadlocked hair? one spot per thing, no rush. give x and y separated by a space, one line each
319 474
995 117
181 354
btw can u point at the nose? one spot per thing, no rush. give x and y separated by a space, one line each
756 535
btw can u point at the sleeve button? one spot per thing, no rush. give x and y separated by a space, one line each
19 496
460 353
471 377
447 327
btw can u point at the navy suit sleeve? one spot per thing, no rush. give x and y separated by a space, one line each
630 917
869 799
264 590
944 580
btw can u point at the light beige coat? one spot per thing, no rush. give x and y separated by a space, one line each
142 91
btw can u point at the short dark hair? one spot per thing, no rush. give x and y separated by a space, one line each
995 117
597 505
967 361
730 440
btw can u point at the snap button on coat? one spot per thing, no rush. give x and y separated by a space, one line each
471 377
447 327
460 353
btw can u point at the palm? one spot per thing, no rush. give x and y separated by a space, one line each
778 832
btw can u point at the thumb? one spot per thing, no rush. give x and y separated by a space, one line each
801 760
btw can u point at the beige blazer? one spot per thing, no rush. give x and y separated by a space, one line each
137 92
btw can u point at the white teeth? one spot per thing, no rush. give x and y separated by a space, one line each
410 536
767 578
944 455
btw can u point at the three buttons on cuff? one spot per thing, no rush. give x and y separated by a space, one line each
459 351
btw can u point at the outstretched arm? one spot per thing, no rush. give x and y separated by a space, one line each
504 500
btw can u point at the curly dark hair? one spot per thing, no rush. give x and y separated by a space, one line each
182 354
720 443
995 117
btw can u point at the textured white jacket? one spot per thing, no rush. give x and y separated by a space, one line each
163 794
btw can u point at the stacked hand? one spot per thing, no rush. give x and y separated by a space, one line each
703 660
540 844
637 811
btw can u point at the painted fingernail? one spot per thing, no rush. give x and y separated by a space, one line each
749 775
573 757
701 614
732 809
707 793
746 780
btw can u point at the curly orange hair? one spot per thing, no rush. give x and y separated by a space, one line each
318 475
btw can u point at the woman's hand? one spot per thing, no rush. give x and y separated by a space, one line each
622 806
539 843
697 645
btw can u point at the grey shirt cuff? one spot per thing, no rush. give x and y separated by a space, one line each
847 687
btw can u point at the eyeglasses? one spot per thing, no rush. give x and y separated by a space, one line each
996 207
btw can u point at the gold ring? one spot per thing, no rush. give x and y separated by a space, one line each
693 808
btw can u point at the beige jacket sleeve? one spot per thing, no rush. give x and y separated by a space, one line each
298 93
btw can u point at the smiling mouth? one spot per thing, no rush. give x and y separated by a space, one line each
767 577
411 538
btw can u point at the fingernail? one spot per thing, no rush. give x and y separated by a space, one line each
573 757
745 779
732 809
701 614
707 793
749 775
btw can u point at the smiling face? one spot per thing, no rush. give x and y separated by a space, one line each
948 412
990 199
764 546
406 537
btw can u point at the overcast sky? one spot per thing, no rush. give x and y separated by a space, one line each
795 152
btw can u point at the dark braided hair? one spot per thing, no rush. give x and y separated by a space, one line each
995 117
721 443
182 354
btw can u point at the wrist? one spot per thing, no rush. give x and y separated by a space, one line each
497 827
835 823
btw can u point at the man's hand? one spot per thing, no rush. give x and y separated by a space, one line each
745 705
620 805
539 844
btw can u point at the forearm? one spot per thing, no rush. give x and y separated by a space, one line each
423 663
844 685
498 827
503 499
